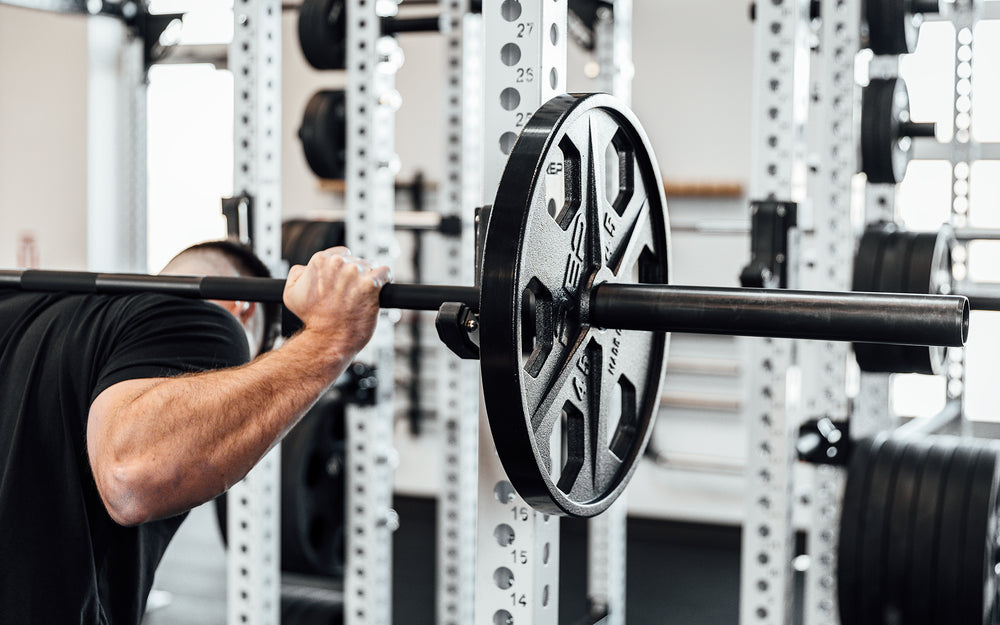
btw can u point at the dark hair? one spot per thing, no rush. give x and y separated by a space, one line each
247 264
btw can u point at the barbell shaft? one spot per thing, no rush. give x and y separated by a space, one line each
830 316
405 296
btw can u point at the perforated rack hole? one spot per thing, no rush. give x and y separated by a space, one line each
504 534
504 492
503 578
507 141
510 54
502 617
510 99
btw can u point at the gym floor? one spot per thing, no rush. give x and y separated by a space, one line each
677 573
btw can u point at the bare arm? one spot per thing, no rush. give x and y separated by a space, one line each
161 446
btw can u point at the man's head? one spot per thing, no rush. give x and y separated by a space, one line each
227 258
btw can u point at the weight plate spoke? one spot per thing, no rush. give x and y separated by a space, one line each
594 212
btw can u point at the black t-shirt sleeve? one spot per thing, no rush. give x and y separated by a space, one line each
159 336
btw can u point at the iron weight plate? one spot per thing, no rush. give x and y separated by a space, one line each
324 134
891 29
849 548
978 558
570 405
323 33
866 276
313 459
900 529
911 358
892 275
874 532
929 272
923 557
885 104
951 537
291 231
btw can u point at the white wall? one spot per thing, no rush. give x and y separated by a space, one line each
43 123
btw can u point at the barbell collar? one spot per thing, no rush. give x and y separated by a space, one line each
777 313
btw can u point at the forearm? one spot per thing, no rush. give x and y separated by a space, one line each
184 440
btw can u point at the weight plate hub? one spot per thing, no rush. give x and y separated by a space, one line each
571 405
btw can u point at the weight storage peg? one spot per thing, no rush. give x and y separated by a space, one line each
323 31
887 133
575 304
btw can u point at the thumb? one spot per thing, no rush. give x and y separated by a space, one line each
293 275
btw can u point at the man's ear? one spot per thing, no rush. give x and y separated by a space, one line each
245 311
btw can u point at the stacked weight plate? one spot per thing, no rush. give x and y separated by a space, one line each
918 538
891 259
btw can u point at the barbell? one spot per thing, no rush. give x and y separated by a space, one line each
574 305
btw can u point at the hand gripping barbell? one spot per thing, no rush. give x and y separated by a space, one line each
574 304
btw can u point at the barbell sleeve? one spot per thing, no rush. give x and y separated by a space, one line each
830 316
777 313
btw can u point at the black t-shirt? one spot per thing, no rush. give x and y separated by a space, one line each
62 558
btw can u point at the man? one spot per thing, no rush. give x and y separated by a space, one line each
119 414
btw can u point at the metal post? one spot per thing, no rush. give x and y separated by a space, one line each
606 538
518 549
254 589
458 380
964 151
372 101
780 103
831 247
